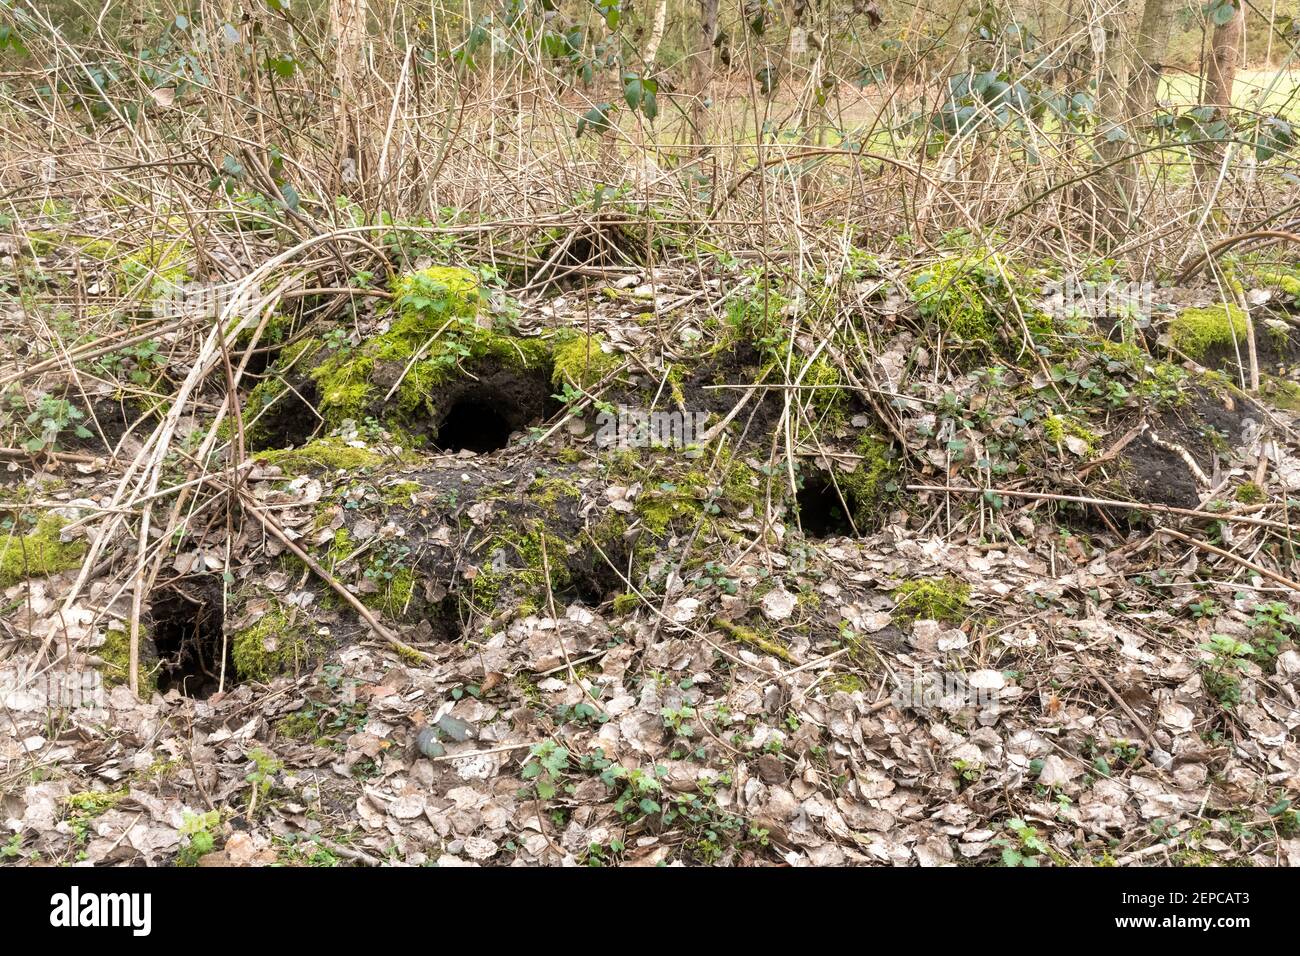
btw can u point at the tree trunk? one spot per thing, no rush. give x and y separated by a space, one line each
1115 177
1152 41
348 24
702 72
1221 69
656 37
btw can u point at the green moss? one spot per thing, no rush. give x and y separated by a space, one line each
829 400
570 456
849 683
431 339
1288 282
269 390
343 382
301 725
952 292
274 644
445 290
157 268
1197 330
115 652
514 566
1249 493
755 639
547 492
332 454
1281 393
400 493
38 552
91 803
933 599
1059 427
873 483
581 361
395 595
626 603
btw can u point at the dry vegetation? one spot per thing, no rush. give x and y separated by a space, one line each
972 335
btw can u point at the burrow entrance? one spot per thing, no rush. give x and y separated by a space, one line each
473 425
592 581
289 421
821 510
481 415
187 626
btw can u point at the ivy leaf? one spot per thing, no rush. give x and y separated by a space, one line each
595 119
282 66
1223 13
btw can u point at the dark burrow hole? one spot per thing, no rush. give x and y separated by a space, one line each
445 619
186 623
473 424
291 420
592 581
480 416
821 512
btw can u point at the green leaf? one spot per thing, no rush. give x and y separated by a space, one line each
595 119
1223 13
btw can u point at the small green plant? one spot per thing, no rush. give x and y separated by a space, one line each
546 766
1023 847
1273 625
968 772
265 767
1221 672
197 838
678 720
51 420
13 849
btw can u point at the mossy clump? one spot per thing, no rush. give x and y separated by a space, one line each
1195 331
39 552
331 454
932 599
91 803
115 652
394 594
432 339
956 293
579 360
829 399
301 725
755 639
548 492
1288 282
269 391
626 603
874 482
400 493
1280 392
444 290
1249 493
517 561
157 269
274 644
849 683
1058 428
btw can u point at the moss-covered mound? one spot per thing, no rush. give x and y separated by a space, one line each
38 551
